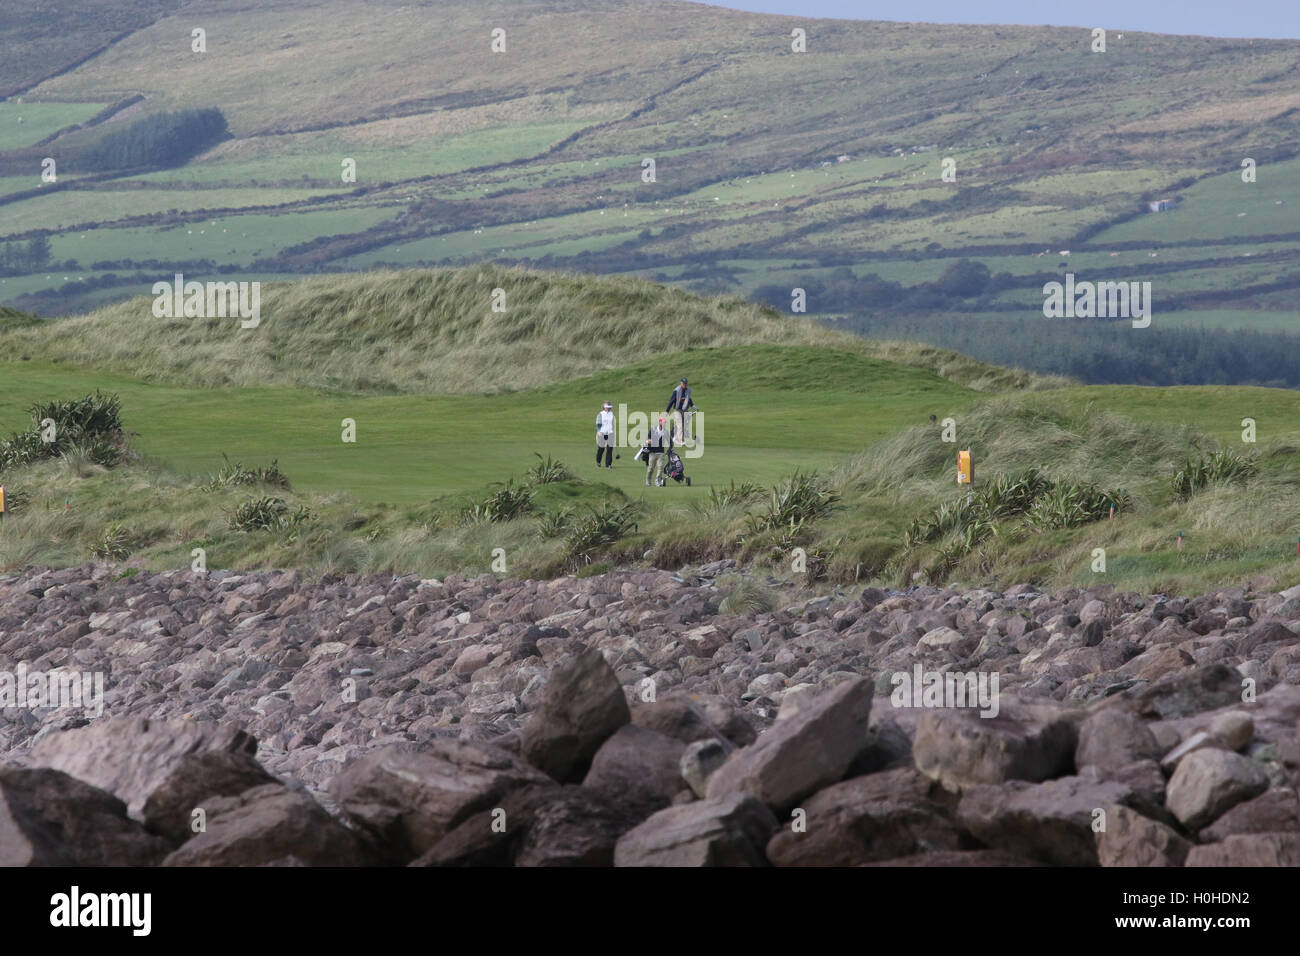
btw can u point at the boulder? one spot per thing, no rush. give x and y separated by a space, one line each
1131 839
1050 822
1209 782
639 767
132 756
1025 741
267 825
406 799
1249 849
730 830
581 707
875 817
196 777
48 818
803 753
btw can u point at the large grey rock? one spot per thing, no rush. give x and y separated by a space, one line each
48 818
1025 741
640 767
1050 822
581 707
197 777
131 757
406 799
549 825
730 830
269 824
1276 810
875 817
803 753
1113 737
1249 849
1131 839
1209 782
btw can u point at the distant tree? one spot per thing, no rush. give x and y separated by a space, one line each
964 279
161 140
38 252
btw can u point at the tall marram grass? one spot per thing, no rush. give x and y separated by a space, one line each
430 330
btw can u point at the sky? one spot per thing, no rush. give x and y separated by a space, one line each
1222 18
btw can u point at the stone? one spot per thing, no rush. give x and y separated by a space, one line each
639 767
169 810
267 824
407 799
1209 782
1050 822
874 817
48 818
132 756
802 754
581 707
1025 741
1131 839
1249 849
730 830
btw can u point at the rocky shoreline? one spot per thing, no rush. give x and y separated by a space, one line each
268 719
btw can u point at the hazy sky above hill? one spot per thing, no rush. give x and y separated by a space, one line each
1251 18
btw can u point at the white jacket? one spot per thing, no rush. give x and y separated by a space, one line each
605 423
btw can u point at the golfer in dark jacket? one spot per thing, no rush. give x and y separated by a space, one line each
680 405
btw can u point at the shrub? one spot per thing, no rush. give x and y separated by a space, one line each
230 475
548 470
267 514
507 503
733 494
1220 467
554 524
92 415
748 597
800 498
91 425
599 528
113 544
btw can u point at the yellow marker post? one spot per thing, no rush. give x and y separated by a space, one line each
965 475
2 502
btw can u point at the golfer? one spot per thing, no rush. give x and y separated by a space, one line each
658 445
605 435
680 404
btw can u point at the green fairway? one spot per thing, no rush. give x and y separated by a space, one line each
766 411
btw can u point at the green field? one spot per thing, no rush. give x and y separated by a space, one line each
753 428
23 124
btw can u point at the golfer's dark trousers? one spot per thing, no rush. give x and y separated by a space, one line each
608 451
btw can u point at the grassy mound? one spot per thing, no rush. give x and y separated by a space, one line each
434 331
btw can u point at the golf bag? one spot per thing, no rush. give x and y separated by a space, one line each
675 469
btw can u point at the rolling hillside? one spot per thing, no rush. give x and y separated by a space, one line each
775 170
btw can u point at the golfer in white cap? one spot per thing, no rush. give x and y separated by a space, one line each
605 435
